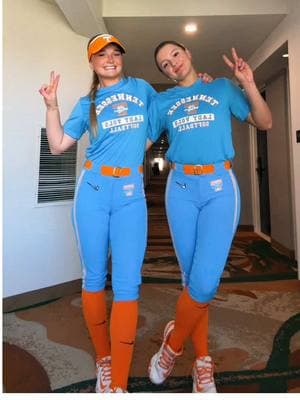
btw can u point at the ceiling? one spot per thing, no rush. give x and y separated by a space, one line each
215 36
142 24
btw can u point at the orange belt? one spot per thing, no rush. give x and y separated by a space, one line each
200 169
116 172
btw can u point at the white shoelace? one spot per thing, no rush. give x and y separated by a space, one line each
166 359
204 374
104 366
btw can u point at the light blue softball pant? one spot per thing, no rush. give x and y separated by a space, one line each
203 213
110 214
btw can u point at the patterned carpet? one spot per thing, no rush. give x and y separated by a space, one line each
254 340
254 335
250 259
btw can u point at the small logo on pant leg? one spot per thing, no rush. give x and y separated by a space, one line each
216 185
128 189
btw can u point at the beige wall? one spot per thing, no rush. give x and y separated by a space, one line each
39 249
279 164
289 30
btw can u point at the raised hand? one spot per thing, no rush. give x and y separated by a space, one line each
239 67
49 92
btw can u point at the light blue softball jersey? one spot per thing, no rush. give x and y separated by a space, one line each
106 210
122 111
198 120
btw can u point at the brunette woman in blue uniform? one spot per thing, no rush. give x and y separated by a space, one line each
202 194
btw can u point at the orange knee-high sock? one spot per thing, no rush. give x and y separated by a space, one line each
200 334
94 312
123 324
188 311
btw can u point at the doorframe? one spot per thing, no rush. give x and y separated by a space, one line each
291 164
255 184
253 164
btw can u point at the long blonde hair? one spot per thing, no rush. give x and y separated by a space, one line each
92 94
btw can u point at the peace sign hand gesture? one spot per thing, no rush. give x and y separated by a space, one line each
49 92
240 68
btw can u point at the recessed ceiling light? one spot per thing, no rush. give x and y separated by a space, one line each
285 55
190 28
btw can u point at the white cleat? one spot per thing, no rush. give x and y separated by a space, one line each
203 376
117 390
103 373
163 361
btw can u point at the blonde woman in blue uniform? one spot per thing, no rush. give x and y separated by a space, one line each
109 207
202 194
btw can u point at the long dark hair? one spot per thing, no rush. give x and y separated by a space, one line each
161 45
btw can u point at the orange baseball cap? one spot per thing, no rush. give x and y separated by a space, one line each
100 41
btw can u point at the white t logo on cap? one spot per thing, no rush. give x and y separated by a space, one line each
106 37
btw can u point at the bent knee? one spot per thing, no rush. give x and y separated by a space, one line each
203 294
93 282
126 294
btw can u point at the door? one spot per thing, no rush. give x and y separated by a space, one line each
273 169
263 181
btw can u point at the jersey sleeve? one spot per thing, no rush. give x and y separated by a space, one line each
76 125
238 102
156 121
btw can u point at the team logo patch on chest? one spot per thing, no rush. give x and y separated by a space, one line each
191 108
120 109
216 185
